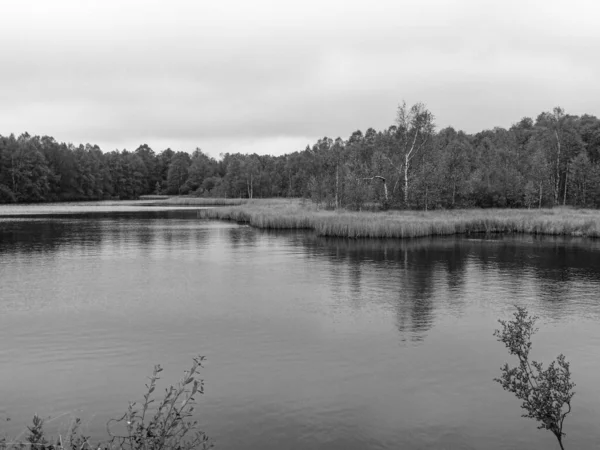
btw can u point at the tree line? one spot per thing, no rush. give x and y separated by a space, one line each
550 161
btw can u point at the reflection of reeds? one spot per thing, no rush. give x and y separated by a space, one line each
407 224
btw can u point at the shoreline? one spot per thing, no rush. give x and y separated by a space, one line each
282 213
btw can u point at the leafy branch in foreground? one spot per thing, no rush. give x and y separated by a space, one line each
546 393
167 425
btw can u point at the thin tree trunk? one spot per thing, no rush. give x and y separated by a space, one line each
385 190
453 194
566 180
12 167
556 186
249 186
406 182
337 183
540 202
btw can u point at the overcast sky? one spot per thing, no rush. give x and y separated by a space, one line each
273 76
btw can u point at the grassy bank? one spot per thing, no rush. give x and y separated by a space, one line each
407 224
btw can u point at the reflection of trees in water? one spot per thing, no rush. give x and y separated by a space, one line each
456 259
44 235
421 276
243 236
91 231
406 277
552 258
355 273
345 275
415 299
556 264
433 277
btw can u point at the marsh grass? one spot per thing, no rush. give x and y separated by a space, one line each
155 424
410 224
201 201
154 197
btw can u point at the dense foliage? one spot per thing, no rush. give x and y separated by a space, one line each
553 160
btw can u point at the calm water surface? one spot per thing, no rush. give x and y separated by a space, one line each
311 343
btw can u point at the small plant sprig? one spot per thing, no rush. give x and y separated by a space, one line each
170 427
36 438
546 393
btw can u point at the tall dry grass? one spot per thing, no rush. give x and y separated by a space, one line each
408 224
201 201
154 197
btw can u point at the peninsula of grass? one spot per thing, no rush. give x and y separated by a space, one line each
285 214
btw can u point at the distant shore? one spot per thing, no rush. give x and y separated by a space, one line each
283 213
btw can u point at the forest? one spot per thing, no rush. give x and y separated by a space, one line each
550 161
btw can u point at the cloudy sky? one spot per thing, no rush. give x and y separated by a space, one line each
272 76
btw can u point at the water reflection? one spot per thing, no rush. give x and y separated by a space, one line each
312 342
412 278
421 266
242 236
416 277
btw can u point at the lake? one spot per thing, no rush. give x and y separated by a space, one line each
311 343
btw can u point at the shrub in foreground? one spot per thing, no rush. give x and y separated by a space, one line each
166 424
546 393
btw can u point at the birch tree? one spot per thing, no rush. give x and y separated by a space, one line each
415 127
553 123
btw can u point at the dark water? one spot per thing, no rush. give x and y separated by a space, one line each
311 343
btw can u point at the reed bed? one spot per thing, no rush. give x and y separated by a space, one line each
201 201
409 224
154 197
